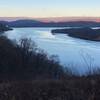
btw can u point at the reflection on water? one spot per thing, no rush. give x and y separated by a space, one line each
79 53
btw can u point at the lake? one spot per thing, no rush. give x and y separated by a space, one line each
72 52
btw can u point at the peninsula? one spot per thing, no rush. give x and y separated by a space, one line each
82 33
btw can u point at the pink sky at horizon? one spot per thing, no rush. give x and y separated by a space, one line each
63 19
53 19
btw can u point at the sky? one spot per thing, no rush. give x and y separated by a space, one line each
49 8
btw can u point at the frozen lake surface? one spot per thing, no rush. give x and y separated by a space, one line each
78 53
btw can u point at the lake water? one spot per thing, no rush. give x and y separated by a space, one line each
72 52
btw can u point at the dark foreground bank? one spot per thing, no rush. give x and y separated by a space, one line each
83 88
27 73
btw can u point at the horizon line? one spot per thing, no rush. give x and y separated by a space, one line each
54 19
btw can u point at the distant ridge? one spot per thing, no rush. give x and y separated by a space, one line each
24 23
37 23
